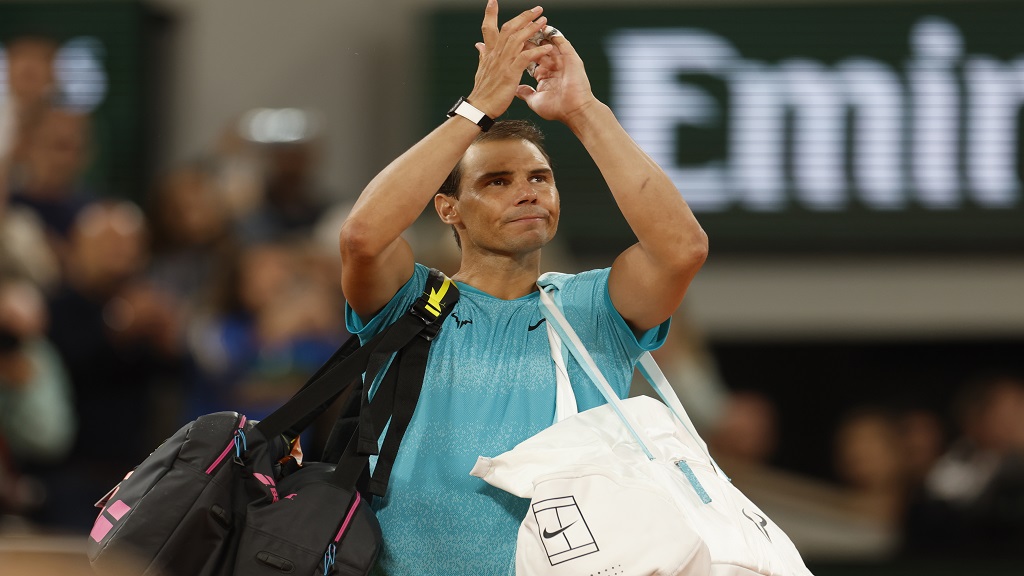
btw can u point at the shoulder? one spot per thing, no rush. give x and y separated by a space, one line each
397 306
588 288
562 281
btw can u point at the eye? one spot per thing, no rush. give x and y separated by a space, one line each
538 178
498 182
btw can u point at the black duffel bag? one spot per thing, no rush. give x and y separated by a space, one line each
223 496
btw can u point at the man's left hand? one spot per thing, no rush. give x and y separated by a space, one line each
563 90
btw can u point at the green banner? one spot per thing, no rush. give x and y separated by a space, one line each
854 127
101 71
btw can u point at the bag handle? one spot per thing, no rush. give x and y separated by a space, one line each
648 368
579 351
565 398
652 373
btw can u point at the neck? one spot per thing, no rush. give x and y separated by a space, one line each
501 276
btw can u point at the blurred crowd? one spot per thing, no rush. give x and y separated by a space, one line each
120 320
906 481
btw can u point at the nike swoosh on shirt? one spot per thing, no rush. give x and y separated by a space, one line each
556 532
537 325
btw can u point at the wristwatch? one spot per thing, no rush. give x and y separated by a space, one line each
463 108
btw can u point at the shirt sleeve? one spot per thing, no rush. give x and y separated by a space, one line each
588 307
586 294
398 305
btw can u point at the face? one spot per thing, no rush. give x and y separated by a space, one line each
58 150
191 208
868 452
508 202
30 70
109 244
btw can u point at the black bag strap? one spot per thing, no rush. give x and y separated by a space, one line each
340 355
345 369
398 392
409 383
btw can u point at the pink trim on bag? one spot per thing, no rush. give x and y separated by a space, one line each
348 517
100 529
268 482
118 509
227 449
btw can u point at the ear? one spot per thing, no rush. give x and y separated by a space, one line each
446 209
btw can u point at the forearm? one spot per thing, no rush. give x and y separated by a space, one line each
375 259
653 207
395 198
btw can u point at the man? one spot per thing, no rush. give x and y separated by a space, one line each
490 378
55 158
118 339
30 93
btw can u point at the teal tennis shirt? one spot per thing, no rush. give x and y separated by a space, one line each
489 384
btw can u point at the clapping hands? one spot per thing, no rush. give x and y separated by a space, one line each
563 89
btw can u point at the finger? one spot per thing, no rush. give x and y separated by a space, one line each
489 28
523 39
563 45
533 54
523 20
539 36
525 35
525 93
544 35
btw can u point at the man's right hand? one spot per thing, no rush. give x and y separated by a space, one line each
504 56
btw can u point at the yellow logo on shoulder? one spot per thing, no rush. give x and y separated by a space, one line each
434 299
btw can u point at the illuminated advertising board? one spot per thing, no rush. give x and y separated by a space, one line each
100 70
854 127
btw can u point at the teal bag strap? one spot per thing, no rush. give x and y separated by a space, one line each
569 338
648 368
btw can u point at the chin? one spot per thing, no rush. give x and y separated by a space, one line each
530 243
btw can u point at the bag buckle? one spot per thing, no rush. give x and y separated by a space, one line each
429 307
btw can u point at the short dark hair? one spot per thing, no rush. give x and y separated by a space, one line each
502 130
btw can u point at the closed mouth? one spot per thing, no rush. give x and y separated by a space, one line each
529 218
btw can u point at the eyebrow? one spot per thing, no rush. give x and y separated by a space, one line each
504 173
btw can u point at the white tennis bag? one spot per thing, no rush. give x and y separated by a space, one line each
629 489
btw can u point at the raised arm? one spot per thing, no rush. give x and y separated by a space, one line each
649 279
376 261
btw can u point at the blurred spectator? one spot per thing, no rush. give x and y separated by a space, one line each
747 429
30 90
687 362
56 154
268 164
292 202
827 522
923 438
37 420
24 249
279 319
871 460
192 236
118 339
974 495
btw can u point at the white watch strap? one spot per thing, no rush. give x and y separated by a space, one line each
469 112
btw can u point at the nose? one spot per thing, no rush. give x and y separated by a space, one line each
526 194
